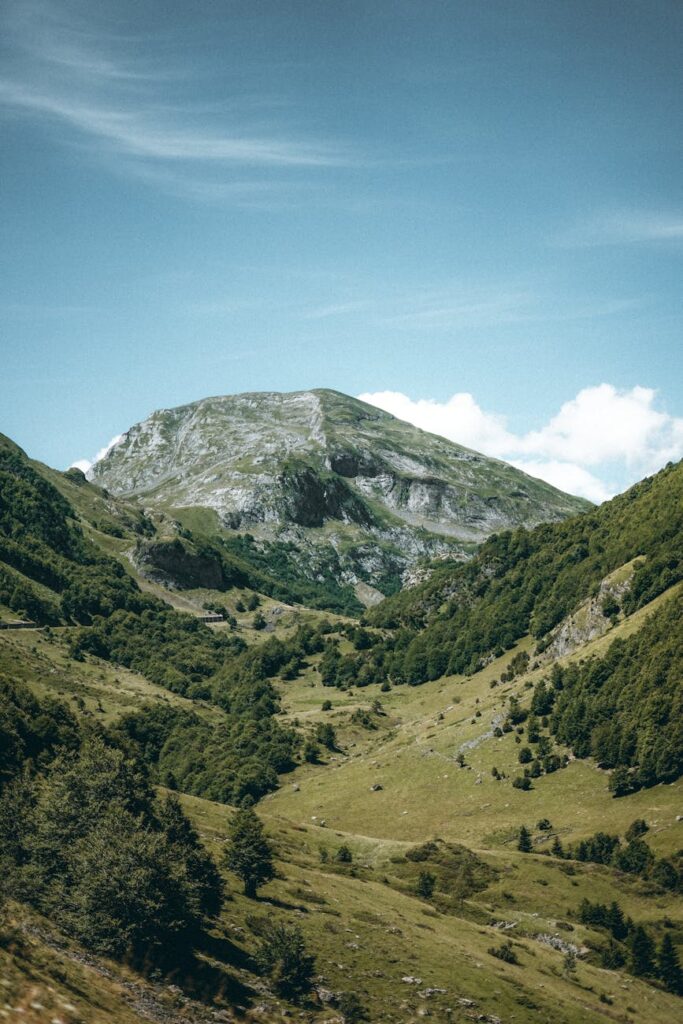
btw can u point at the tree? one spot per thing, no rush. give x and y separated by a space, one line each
669 966
634 858
569 962
425 885
248 853
524 842
616 922
636 829
664 874
325 734
611 956
283 956
642 952
557 848
343 855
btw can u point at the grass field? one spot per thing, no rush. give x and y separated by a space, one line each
367 926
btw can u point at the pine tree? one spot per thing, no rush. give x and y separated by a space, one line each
557 849
615 921
642 952
425 885
248 853
669 966
524 841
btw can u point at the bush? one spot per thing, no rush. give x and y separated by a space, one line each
505 953
283 957
351 1008
521 782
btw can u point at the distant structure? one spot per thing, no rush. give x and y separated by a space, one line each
213 617
19 624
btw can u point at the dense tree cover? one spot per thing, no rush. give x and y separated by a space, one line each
274 568
528 581
237 760
170 648
634 857
48 570
85 841
31 730
626 709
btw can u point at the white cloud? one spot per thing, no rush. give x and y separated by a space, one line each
598 443
568 477
86 465
459 418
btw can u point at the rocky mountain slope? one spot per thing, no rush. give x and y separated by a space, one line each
322 471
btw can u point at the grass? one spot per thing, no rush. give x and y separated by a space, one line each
363 920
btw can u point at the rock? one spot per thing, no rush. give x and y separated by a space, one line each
408 979
556 942
325 995
427 993
466 1002
376 787
295 787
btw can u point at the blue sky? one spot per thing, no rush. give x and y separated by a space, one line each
470 213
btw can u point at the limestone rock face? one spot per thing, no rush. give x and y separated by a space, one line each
317 468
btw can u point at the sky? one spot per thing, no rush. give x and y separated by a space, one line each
468 213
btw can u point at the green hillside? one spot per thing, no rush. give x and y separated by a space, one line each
500 842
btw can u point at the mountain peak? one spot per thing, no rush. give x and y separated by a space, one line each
381 492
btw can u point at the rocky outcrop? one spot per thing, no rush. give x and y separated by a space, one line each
593 618
177 563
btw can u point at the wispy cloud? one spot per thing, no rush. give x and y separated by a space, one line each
460 306
625 227
336 309
63 71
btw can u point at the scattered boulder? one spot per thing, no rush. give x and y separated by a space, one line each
408 979
556 942
376 787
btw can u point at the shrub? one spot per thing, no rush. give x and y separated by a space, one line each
425 885
505 952
282 955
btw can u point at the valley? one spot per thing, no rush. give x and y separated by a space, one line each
395 791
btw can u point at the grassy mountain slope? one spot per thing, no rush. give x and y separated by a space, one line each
353 493
364 919
407 781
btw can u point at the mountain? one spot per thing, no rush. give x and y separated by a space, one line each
353 492
472 797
